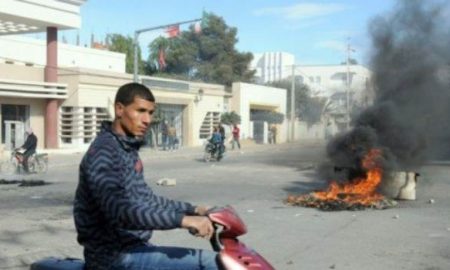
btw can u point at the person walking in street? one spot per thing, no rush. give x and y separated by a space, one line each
29 148
164 134
115 211
273 132
221 130
236 136
172 135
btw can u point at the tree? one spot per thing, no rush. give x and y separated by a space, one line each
307 108
267 116
351 61
210 56
124 44
230 118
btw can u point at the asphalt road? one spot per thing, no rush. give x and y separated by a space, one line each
37 222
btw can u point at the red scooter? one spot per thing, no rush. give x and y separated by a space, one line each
233 254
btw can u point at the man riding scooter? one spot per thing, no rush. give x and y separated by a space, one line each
217 140
115 211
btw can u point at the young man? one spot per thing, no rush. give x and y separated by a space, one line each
115 211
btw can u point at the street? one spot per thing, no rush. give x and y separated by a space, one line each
37 221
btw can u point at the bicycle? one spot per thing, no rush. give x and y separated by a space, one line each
37 163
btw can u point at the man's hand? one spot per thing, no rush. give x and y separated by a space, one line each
202 225
202 210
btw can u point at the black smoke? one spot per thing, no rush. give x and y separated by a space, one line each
409 119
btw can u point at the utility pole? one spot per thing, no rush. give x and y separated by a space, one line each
136 42
293 104
347 85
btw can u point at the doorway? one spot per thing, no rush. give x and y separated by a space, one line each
173 114
12 113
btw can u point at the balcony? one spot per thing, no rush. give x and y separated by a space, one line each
30 89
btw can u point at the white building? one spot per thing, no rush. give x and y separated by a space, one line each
326 80
323 80
251 98
272 66
63 91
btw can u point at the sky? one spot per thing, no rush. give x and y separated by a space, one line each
315 31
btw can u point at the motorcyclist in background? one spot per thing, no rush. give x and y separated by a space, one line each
217 141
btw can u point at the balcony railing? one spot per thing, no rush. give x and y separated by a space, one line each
32 89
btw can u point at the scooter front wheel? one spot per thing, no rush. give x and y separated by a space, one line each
207 156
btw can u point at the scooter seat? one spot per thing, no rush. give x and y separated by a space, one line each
58 264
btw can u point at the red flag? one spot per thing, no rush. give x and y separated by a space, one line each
161 59
173 30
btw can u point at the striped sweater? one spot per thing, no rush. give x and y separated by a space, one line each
114 208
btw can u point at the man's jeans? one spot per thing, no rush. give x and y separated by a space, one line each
166 258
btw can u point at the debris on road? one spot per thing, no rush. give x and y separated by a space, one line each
431 201
310 200
166 182
24 183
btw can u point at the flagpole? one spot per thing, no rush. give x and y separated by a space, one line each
136 45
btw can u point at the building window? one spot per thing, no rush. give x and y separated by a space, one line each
211 120
12 112
81 124
299 79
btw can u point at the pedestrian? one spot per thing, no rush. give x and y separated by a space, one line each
236 136
115 211
29 148
273 131
164 134
221 130
269 134
172 135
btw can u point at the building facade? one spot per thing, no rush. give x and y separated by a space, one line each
64 92
272 66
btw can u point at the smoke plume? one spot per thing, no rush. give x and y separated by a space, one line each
409 119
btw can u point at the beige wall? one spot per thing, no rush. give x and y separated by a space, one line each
90 88
93 88
18 72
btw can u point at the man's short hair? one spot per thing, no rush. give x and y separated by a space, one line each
129 91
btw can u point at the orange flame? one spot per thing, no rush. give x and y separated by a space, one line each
361 190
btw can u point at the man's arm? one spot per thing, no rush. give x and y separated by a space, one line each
183 207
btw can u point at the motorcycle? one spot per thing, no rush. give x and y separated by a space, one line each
213 151
233 254
37 163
